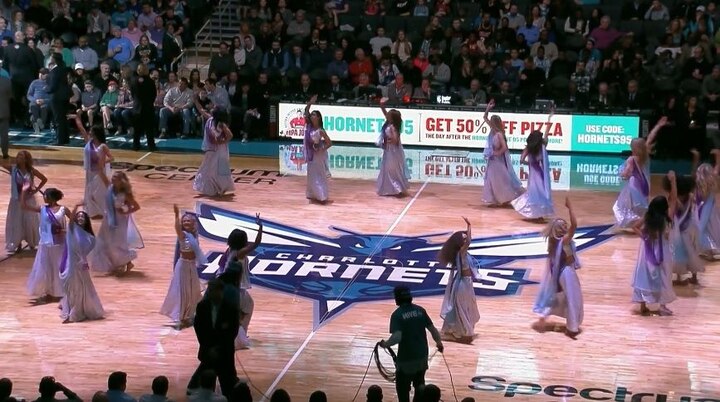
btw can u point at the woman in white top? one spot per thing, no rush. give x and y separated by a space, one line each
184 293
44 279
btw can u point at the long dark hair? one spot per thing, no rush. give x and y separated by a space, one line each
452 246
98 132
534 142
237 239
219 116
656 218
395 118
88 225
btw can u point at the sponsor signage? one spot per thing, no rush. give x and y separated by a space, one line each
467 129
458 167
523 389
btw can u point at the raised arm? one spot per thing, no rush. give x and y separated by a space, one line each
71 214
672 197
651 138
178 224
382 107
468 236
573 222
23 199
43 180
258 239
309 104
490 107
547 129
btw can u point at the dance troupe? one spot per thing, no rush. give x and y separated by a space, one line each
676 230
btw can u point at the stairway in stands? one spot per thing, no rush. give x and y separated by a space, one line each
223 25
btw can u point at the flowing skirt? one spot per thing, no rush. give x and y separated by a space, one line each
184 293
393 178
317 177
95 193
81 301
651 284
21 224
44 278
500 185
460 321
686 252
214 176
247 305
568 302
113 250
629 207
536 202
710 235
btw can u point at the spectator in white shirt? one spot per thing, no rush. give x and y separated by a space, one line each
160 387
515 19
178 102
380 41
657 12
206 393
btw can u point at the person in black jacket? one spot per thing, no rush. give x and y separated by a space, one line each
145 123
60 92
217 322
21 63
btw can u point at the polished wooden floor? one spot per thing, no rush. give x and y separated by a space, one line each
677 356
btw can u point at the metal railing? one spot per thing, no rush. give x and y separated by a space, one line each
206 31
180 59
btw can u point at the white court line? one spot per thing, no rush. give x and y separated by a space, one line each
302 347
143 157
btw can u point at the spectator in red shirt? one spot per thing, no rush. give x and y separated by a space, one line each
361 65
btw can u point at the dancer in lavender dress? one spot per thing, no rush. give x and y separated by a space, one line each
96 157
632 202
501 183
44 279
652 280
236 258
316 145
21 224
81 301
184 293
536 204
214 177
686 247
560 293
118 237
459 307
708 212
393 176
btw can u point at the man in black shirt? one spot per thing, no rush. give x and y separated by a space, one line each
145 94
60 93
407 326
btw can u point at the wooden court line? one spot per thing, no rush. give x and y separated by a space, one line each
144 156
302 347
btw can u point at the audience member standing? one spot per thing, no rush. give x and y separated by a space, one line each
146 123
5 96
217 323
22 65
60 92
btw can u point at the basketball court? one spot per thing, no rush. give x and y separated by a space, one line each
323 284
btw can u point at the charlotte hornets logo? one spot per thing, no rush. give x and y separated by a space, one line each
336 272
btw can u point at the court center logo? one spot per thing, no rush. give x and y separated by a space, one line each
337 272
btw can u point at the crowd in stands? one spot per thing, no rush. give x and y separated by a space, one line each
636 55
117 384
